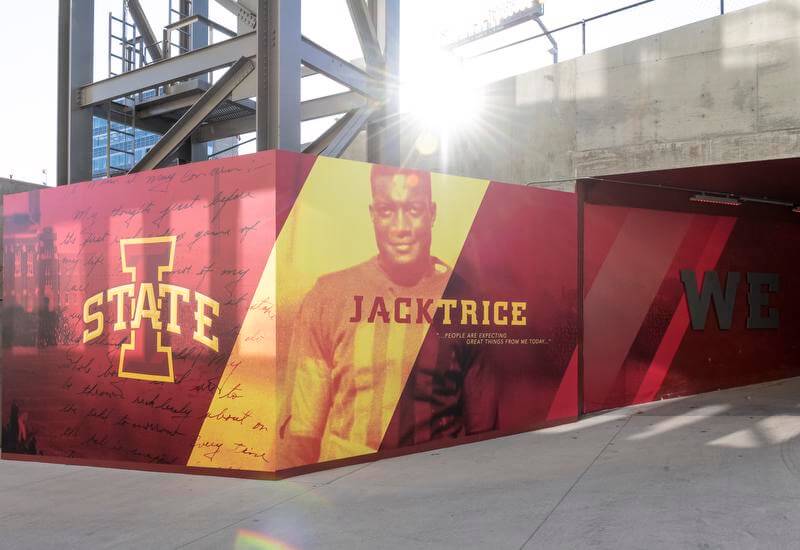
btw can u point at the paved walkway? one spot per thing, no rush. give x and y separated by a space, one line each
720 470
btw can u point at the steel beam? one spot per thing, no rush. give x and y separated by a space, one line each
200 21
199 37
183 128
176 68
162 108
200 28
249 87
348 132
330 105
76 55
309 110
358 63
180 96
318 58
278 97
281 56
64 94
382 136
365 30
185 66
224 129
149 37
334 141
241 12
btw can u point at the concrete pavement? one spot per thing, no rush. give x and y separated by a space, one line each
719 470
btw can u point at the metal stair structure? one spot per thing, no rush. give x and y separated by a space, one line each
153 85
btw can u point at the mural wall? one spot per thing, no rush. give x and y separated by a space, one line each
677 303
274 311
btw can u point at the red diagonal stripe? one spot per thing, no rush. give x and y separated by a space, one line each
565 402
622 293
673 337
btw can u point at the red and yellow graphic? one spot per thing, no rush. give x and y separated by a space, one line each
641 345
150 258
275 311
344 376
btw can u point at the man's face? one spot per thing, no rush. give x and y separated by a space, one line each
403 214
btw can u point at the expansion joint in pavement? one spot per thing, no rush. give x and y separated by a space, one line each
575 483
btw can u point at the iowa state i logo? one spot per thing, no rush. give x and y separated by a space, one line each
138 306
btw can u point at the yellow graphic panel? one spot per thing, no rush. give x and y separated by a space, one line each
329 228
239 429
365 252
364 248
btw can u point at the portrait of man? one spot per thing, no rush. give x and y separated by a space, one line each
368 368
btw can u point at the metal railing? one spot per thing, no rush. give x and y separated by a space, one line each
582 24
187 22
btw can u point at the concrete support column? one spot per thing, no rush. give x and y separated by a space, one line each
75 69
278 75
382 130
200 34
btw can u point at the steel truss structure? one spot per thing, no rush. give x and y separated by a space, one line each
166 87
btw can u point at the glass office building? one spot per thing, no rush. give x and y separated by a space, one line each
126 149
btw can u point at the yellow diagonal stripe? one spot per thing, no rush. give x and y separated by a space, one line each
328 229
239 429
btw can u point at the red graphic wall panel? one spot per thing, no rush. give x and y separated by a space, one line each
271 312
64 396
639 344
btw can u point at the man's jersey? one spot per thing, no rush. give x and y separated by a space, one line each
357 339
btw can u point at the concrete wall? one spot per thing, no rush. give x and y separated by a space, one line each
720 90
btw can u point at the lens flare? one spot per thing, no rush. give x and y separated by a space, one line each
440 95
252 540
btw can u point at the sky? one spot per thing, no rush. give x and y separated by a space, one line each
28 54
